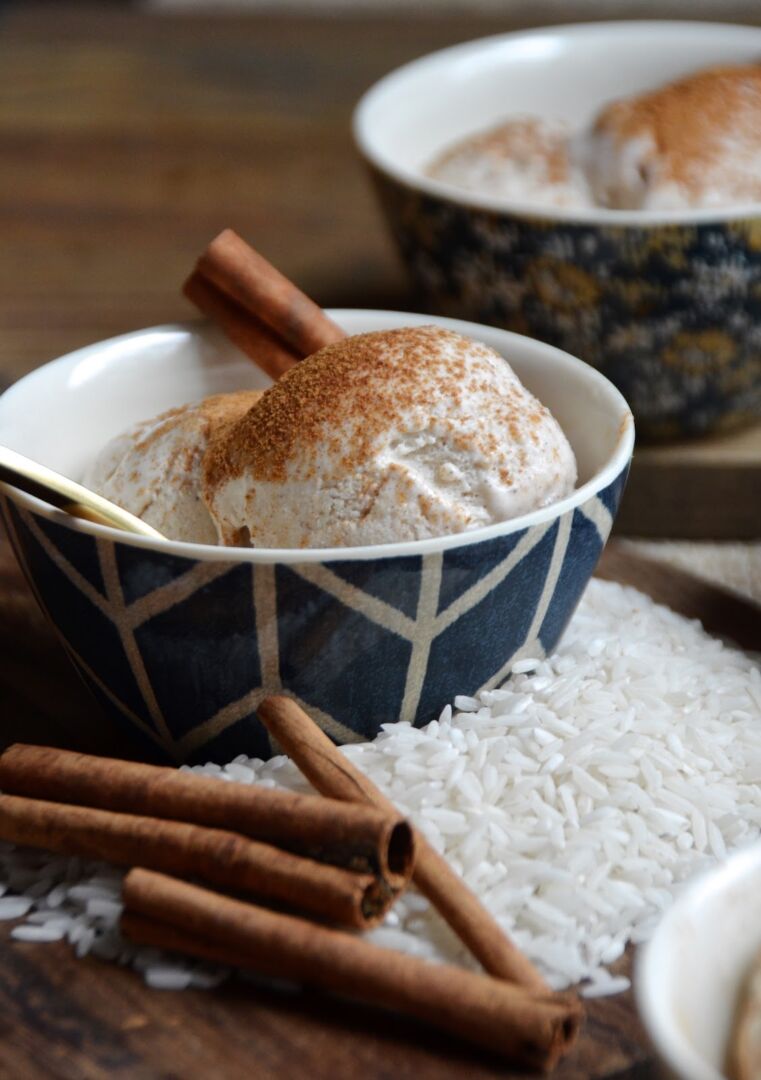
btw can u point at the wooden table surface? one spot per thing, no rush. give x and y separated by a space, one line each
126 143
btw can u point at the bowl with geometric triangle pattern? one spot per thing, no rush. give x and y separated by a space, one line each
179 642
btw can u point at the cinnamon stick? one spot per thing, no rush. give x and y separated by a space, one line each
362 838
242 274
533 1029
333 775
251 335
217 856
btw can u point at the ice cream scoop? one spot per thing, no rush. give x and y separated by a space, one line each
387 436
153 470
692 143
526 159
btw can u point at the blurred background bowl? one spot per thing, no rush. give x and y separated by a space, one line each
666 304
690 975
179 642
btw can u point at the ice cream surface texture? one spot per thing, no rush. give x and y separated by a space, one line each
154 469
692 143
695 142
524 159
388 436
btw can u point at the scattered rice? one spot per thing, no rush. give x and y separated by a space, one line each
168 977
46 932
576 801
14 907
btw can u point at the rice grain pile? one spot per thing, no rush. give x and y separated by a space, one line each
575 801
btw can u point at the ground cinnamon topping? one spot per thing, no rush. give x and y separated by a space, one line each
376 379
522 139
219 409
696 123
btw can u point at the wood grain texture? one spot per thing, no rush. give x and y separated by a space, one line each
127 143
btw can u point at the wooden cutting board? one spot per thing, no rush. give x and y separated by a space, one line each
708 489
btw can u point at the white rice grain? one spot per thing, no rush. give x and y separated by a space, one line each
576 800
14 907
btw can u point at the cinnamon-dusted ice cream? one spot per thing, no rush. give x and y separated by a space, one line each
154 469
387 436
695 142
525 159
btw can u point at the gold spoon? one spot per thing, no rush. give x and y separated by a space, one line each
63 493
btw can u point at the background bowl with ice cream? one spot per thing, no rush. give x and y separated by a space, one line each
688 981
181 641
666 303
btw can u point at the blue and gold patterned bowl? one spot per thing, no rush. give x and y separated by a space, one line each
666 304
180 641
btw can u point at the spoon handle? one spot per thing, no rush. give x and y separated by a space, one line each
48 485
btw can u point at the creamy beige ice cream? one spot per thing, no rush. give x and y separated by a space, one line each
692 143
154 469
387 436
525 160
695 143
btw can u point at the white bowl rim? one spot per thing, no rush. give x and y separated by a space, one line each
601 216
612 468
672 1044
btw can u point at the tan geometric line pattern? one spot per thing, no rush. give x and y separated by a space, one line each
535 651
63 564
226 716
174 592
597 512
245 705
553 573
68 649
430 584
390 618
476 593
377 611
168 747
265 607
113 608
108 568
421 631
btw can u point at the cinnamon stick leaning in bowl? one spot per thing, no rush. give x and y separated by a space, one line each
259 309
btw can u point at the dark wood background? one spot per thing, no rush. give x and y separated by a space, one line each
126 142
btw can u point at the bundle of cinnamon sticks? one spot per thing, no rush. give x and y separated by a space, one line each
319 856
298 867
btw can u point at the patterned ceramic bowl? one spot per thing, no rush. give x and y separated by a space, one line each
666 304
180 642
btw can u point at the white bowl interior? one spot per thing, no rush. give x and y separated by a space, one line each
567 72
691 971
62 414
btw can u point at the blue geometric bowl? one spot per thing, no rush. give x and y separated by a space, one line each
180 642
667 304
